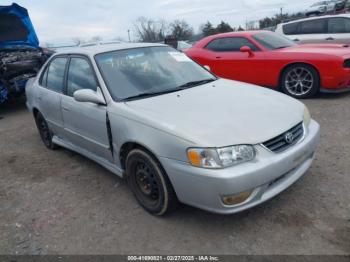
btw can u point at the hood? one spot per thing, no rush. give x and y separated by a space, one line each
221 113
329 49
16 29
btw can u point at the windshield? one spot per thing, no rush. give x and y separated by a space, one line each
319 3
273 41
142 72
183 45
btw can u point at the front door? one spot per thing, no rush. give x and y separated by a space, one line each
339 30
85 123
228 62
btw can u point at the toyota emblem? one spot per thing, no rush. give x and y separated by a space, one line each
289 138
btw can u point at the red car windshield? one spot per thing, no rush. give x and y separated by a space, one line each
273 41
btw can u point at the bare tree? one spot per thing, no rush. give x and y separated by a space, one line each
181 30
149 30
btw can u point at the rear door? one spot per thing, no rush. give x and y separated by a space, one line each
85 124
229 62
50 92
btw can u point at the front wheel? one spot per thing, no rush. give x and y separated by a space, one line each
300 81
149 183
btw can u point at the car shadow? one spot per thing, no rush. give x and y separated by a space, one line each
330 96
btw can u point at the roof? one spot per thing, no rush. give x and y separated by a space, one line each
238 33
98 49
315 17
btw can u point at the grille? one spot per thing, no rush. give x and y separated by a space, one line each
285 140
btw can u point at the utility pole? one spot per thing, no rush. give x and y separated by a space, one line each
129 35
281 11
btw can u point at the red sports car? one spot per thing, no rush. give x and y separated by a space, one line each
269 59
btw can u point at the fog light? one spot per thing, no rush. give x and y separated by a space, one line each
236 199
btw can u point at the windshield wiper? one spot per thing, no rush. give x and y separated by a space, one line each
196 83
182 87
281 47
150 94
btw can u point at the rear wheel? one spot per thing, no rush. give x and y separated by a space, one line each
44 131
149 183
300 81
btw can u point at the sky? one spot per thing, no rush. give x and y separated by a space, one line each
64 19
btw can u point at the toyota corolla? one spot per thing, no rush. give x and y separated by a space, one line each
172 129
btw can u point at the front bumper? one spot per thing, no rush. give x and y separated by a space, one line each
268 175
335 91
335 81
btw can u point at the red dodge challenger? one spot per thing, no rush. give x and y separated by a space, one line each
269 59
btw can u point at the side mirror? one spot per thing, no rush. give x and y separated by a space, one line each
207 67
247 49
87 95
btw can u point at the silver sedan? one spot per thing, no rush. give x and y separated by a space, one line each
172 129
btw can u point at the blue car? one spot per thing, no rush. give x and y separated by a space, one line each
20 54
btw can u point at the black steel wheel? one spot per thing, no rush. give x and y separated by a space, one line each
44 131
149 183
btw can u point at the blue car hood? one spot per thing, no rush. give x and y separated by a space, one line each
16 29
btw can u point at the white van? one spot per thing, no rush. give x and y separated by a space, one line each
324 29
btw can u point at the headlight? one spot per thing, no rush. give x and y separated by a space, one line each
220 157
307 117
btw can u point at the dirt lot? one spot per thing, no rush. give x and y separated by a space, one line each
58 202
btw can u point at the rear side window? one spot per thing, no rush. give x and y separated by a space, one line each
43 78
291 29
230 44
80 76
338 25
55 74
317 26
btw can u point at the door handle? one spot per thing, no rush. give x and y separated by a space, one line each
218 57
296 40
329 38
65 108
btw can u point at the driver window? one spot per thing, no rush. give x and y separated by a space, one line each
230 44
80 76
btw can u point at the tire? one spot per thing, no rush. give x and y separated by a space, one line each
44 131
149 183
300 81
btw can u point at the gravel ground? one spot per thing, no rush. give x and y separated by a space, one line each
58 202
